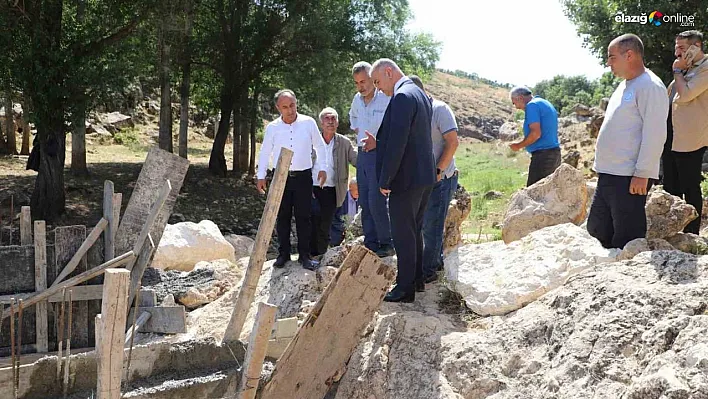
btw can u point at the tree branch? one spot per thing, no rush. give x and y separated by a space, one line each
115 37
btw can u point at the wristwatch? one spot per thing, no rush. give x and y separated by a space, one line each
678 71
438 170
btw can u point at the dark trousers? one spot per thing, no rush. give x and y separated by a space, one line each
616 216
298 197
374 207
326 198
543 163
682 178
407 209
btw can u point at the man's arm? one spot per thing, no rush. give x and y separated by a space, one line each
264 157
321 157
402 109
687 90
532 115
447 125
653 106
351 153
354 116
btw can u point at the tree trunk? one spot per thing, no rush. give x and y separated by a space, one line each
165 92
78 142
238 127
10 125
217 160
184 90
253 128
245 135
48 199
26 131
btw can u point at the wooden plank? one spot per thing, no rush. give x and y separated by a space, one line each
117 203
263 236
25 226
148 298
69 241
87 275
113 314
40 284
80 254
333 328
139 323
257 347
158 167
94 257
80 293
139 266
108 214
165 320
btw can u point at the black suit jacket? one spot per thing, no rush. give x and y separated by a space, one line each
404 147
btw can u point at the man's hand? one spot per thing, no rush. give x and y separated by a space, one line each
385 192
261 186
680 63
439 176
638 185
515 146
369 142
322 178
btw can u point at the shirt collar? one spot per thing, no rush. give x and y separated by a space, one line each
400 82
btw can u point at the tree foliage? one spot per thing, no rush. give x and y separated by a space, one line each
596 25
566 91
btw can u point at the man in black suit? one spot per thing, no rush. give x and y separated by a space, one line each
406 171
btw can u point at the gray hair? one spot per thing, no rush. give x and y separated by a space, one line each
385 63
520 91
279 93
352 181
329 111
418 81
630 41
361 66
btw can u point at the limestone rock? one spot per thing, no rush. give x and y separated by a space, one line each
667 214
243 245
183 245
559 198
334 257
495 279
582 110
115 121
509 131
632 329
690 243
572 158
639 245
355 229
457 212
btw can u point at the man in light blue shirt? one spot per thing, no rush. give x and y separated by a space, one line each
367 112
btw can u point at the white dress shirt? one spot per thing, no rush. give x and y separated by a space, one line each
399 83
301 137
327 167
367 117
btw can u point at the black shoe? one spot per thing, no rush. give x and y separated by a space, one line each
309 264
419 286
431 279
398 295
281 261
385 251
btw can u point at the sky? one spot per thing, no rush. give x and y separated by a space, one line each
511 41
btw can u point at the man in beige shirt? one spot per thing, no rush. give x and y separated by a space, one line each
687 133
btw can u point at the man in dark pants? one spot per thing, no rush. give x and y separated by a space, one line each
300 134
406 171
540 133
687 133
628 147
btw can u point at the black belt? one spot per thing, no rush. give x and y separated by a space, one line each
297 173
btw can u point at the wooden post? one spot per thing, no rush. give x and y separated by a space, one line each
114 311
108 214
25 226
333 328
83 249
87 275
255 263
65 386
40 284
257 347
144 317
117 203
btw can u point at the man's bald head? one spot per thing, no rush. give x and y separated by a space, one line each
385 73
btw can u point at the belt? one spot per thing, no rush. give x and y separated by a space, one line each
296 173
456 173
361 149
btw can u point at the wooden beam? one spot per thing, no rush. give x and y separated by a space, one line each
139 323
117 203
25 226
257 347
81 252
108 214
165 319
114 311
87 275
333 328
255 263
40 284
80 293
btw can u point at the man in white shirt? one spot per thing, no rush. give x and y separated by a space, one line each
300 134
628 147
367 112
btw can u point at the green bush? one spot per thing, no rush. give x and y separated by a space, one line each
127 137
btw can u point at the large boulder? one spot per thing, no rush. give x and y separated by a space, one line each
690 243
494 278
115 121
509 131
572 158
243 245
457 212
667 214
559 198
185 244
624 330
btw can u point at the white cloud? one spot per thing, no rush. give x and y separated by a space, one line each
511 41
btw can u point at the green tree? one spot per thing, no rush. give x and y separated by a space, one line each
596 24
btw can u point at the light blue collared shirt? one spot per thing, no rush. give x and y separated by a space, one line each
368 117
